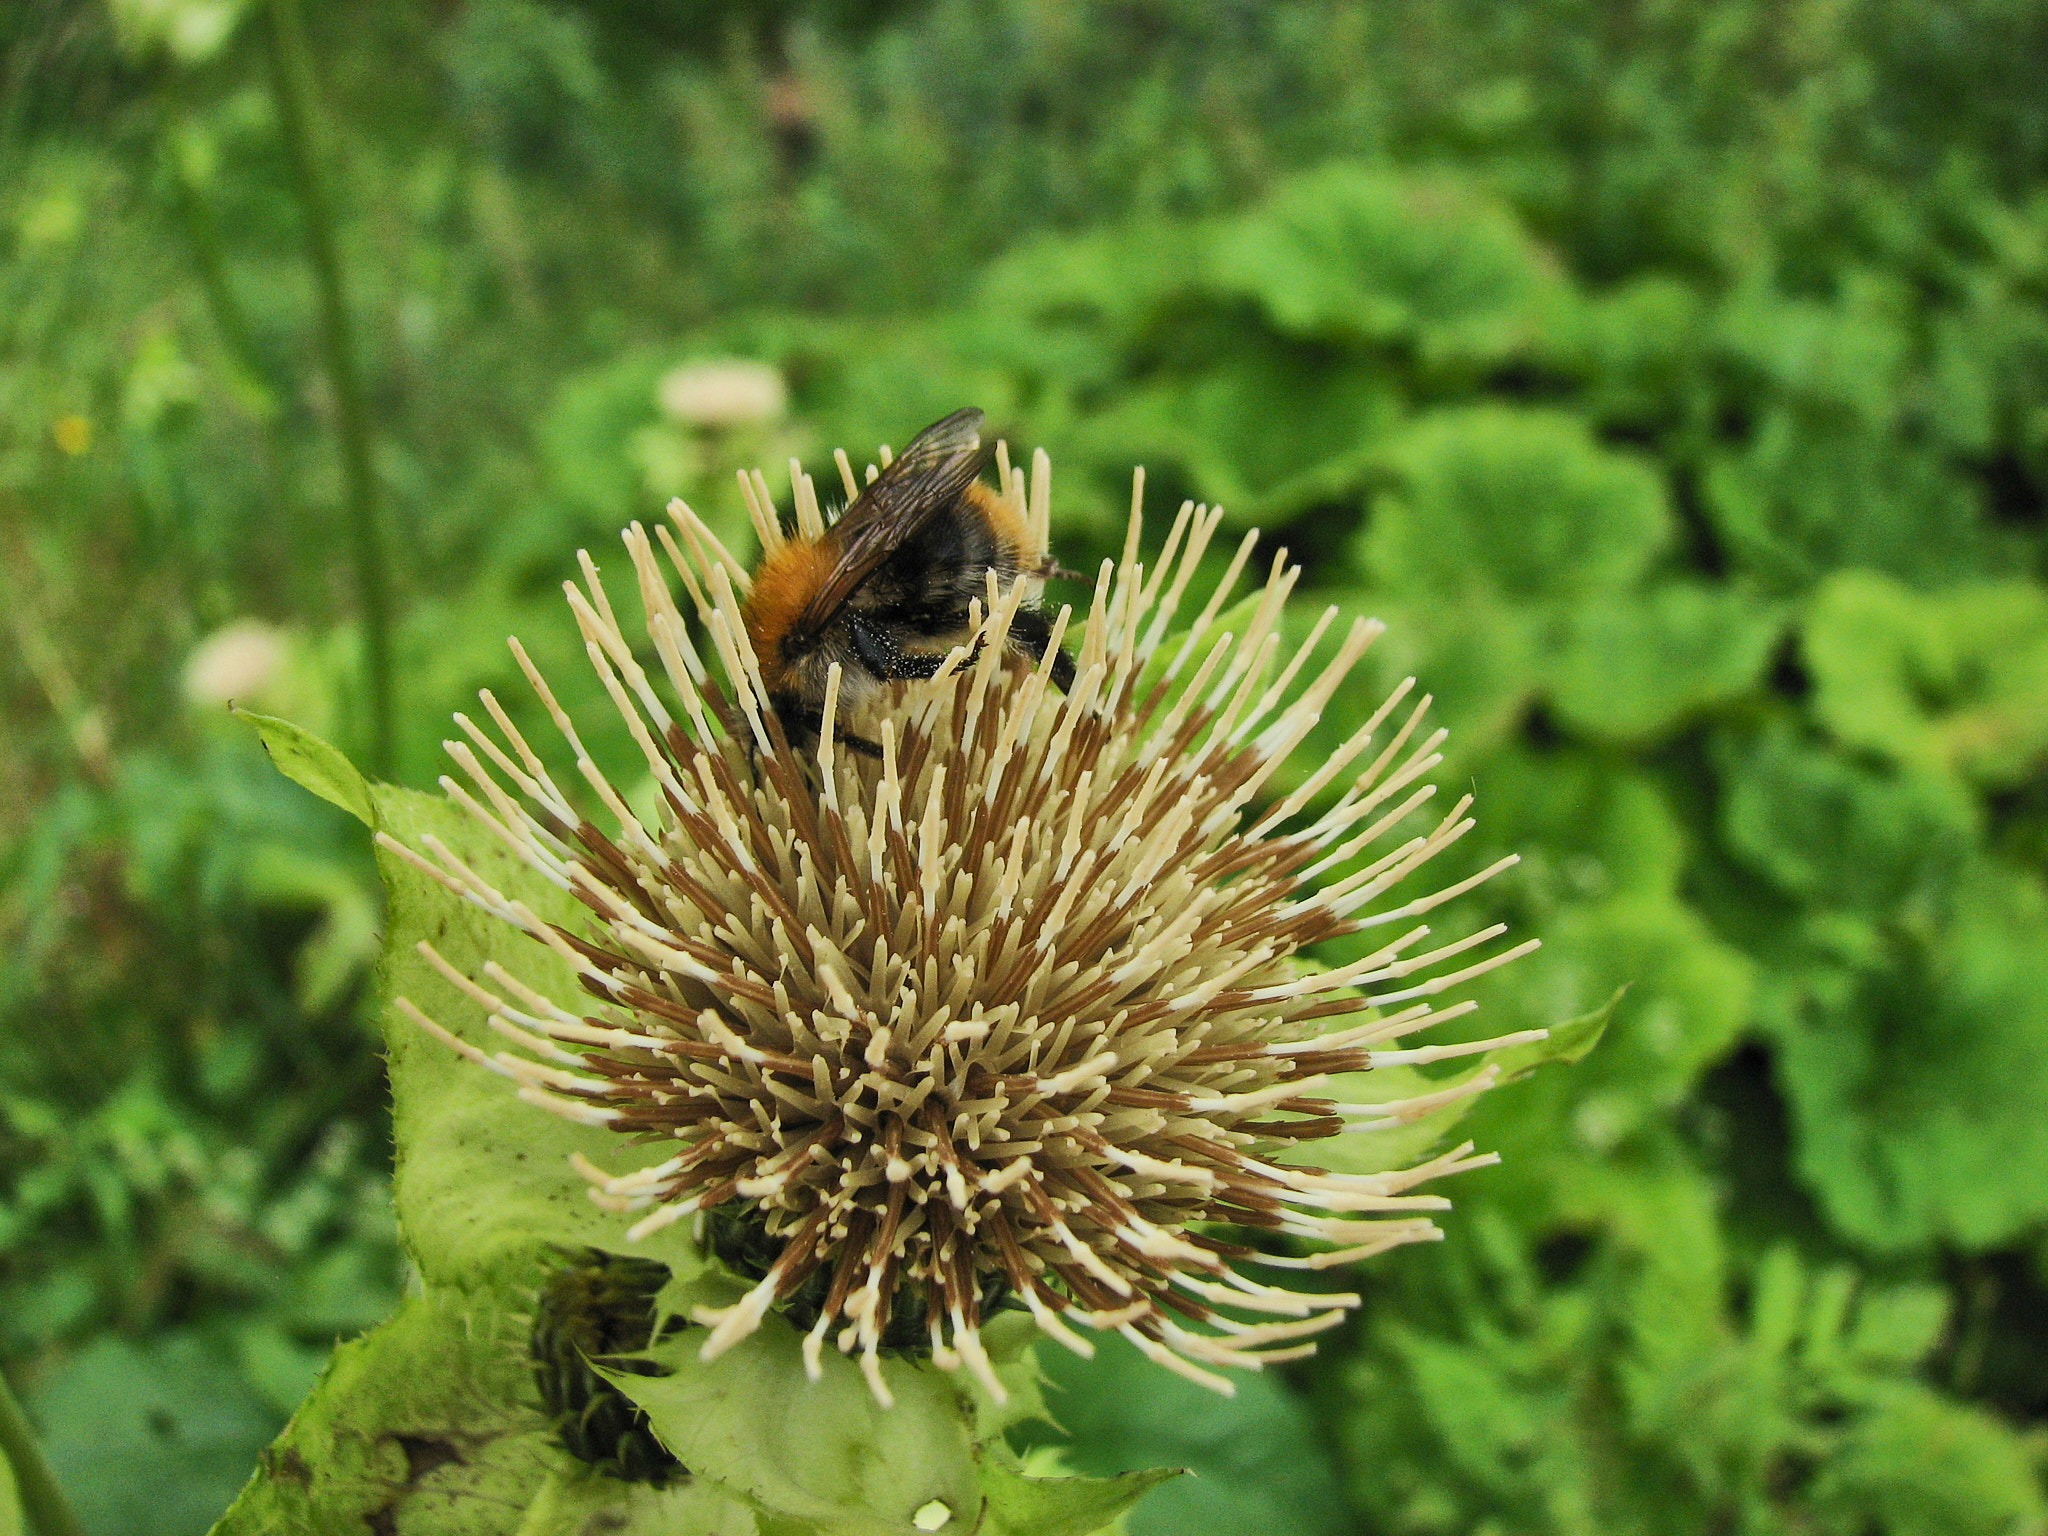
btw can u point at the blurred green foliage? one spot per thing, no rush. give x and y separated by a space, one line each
1672 378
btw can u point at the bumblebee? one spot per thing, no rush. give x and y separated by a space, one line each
885 592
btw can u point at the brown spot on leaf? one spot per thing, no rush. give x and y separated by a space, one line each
425 1454
286 1466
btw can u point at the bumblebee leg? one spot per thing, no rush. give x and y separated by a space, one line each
881 655
1030 633
804 724
799 722
858 744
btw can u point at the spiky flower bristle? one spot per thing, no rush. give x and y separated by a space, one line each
1014 1009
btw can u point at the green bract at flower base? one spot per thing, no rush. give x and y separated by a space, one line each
1009 1019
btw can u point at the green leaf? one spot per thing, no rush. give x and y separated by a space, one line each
1955 681
1400 1146
1915 1464
151 1438
1916 1083
586 433
12 1521
1059 1506
578 1503
1521 506
1899 1326
306 760
483 1183
1837 833
1626 1393
824 1452
1257 1461
345 942
1493 1425
430 1426
1805 496
1569 1042
1477 660
1640 343
1101 284
420 1420
1689 996
1216 422
190 31
1846 356
865 1468
1633 668
1585 827
1355 254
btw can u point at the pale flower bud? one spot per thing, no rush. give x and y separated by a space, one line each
723 392
236 661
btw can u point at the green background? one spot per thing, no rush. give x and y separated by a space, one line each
1673 378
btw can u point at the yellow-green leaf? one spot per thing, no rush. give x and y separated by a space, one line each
1399 1146
306 760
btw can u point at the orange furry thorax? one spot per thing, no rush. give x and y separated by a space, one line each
1009 526
783 583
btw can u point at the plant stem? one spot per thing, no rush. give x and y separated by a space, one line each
258 379
49 1512
291 76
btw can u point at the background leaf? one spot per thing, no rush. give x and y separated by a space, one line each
1958 682
173 1413
1518 506
1254 1461
1928 1128
1631 668
1351 252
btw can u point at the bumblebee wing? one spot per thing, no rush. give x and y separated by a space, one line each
929 475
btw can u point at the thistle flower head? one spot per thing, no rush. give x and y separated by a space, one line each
1014 1013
